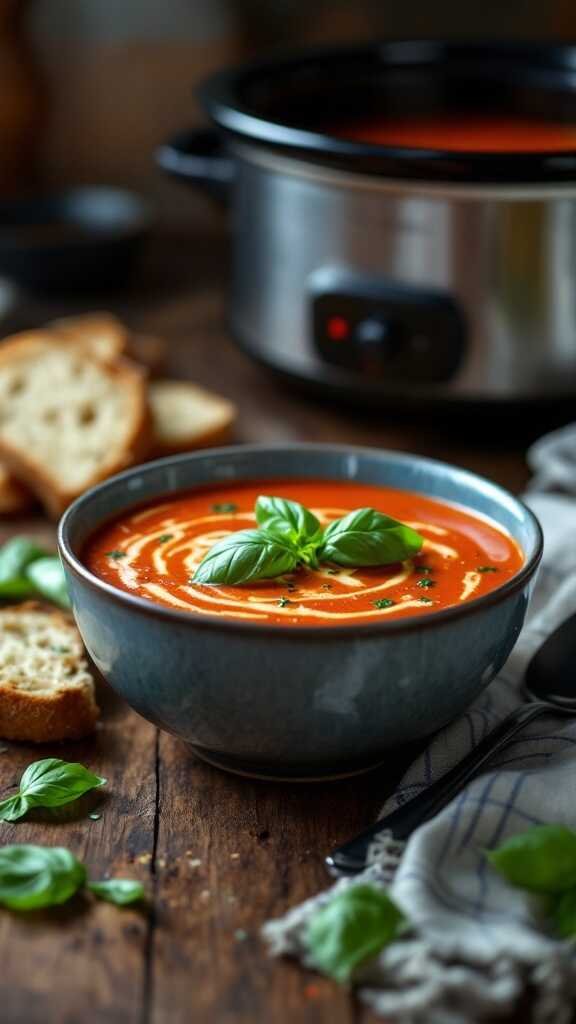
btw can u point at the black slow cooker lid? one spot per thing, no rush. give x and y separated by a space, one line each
286 104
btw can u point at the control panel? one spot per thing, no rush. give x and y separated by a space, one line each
385 329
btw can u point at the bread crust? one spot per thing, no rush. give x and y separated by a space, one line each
101 335
31 717
164 444
22 463
15 498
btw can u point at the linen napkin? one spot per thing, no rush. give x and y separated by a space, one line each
475 946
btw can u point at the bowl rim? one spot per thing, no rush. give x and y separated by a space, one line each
411 623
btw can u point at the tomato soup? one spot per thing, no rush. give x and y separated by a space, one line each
154 552
465 134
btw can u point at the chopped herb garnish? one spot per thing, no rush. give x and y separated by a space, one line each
426 582
425 600
383 602
60 650
224 506
283 601
116 554
332 572
165 538
486 568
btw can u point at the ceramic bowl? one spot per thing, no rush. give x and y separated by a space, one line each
304 702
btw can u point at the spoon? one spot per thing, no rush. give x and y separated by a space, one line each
550 685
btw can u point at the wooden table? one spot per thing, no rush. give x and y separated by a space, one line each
219 855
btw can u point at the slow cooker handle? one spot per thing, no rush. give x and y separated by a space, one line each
198 157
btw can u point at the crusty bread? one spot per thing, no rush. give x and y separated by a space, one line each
15 498
68 420
46 691
100 335
185 416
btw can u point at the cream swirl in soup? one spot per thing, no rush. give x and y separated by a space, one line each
154 551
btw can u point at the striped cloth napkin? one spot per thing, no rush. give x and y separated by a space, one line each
475 947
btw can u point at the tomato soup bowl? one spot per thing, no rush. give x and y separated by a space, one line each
296 702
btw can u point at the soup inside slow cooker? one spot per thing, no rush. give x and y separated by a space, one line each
459 133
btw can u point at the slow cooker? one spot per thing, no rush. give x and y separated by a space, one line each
380 264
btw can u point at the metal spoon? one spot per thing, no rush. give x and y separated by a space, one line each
550 685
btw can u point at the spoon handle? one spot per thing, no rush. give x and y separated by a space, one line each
352 857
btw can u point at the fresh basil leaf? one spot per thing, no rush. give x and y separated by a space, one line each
353 927
49 783
53 783
563 914
13 808
38 876
120 891
244 557
543 859
288 520
15 555
16 589
47 575
367 537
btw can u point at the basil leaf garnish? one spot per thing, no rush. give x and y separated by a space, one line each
47 575
288 520
245 557
290 535
543 859
367 537
38 876
351 928
49 783
120 891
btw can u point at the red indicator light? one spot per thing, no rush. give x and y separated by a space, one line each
337 328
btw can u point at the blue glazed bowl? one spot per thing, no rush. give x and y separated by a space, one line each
303 702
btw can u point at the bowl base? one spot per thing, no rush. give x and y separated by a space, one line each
273 773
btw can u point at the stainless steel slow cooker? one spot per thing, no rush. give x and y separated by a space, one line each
388 272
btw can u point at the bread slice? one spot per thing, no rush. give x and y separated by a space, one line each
185 416
68 420
15 498
100 335
46 691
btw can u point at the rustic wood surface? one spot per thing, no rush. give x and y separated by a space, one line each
219 855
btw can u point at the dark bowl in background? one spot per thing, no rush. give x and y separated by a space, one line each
85 238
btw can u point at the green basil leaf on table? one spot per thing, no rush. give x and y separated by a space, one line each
13 808
47 575
17 589
32 877
543 859
288 520
351 928
245 557
49 783
120 891
15 555
366 537
563 914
